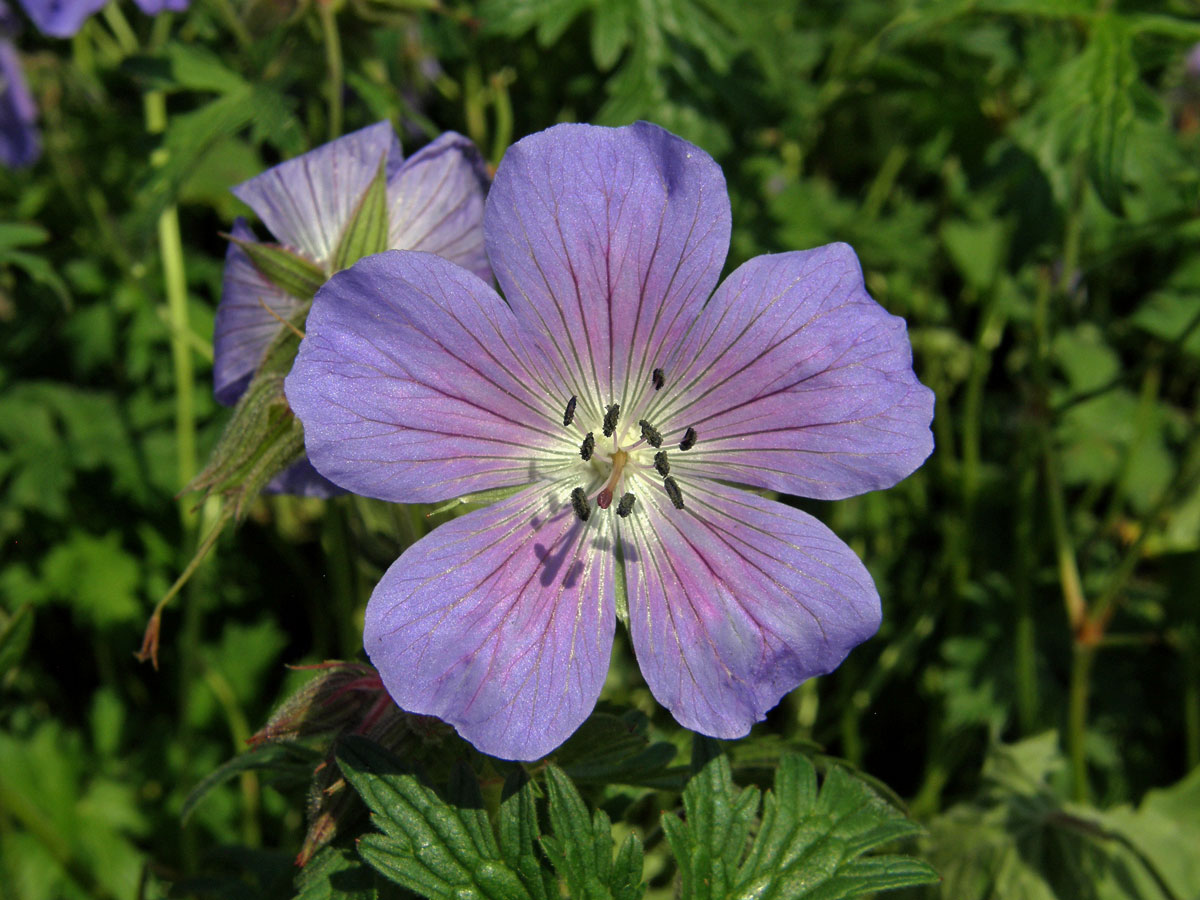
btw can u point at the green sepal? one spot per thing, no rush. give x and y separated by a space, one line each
263 437
288 270
367 231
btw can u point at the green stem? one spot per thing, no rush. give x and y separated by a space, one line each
239 731
170 246
1025 650
119 26
233 22
334 65
1077 716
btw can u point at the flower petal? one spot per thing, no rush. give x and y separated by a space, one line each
154 7
415 382
735 600
60 18
300 479
20 140
244 326
436 203
610 239
500 623
307 201
796 380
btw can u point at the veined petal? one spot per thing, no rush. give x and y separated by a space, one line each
797 381
416 382
307 201
435 203
735 600
610 239
500 622
60 18
244 326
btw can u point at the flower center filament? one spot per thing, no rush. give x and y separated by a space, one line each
622 458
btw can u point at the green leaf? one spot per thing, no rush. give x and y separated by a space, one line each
611 749
21 234
336 873
292 272
517 831
15 633
1110 71
710 843
610 33
809 843
286 758
426 845
367 231
581 848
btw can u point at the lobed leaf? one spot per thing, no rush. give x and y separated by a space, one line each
809 843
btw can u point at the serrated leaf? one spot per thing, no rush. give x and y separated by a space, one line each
809 843
336 873
288 270
426 845
517 832
366 233
581 847
710 844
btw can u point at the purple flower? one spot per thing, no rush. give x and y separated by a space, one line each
62 18
435 203
20 143
620 400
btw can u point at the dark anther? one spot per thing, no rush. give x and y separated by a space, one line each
625 507
611 414
689 439
659 379
650 434
569 415
583 509
586 448
661 464
673 491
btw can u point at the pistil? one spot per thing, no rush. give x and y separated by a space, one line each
604 500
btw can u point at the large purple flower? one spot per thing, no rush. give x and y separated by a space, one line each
435 203
620 400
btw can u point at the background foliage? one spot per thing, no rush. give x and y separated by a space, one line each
1021 181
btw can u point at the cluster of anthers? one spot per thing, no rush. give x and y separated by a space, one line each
624 460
